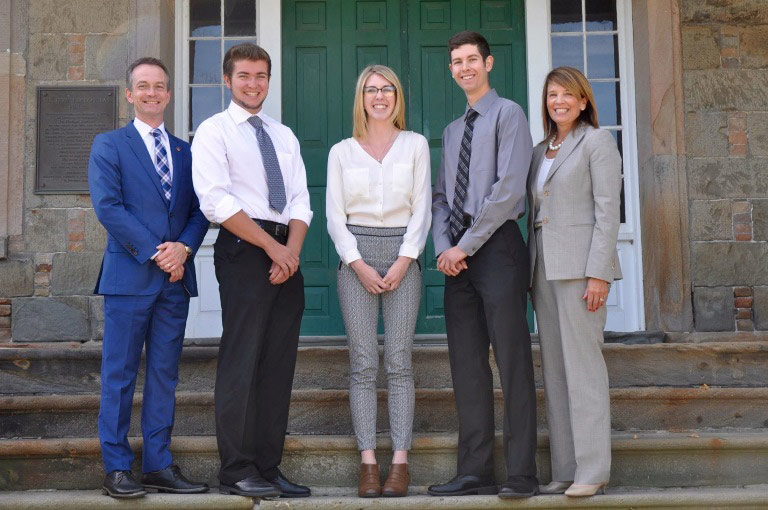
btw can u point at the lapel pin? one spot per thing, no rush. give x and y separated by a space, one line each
178 149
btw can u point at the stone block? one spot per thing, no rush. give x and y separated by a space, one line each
760 220
729 264
17 278
711 178
753 47
50 319
748 12
757 127
80 16
95 234
700 48
107 57
706 134
713 308
48 59
46 230
758 168
711 220
74 273
738 90
760 308
97 317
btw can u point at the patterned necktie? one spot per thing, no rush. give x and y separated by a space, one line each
462 176
271 165
161 163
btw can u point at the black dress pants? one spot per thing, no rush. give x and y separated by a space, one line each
257 358
486 305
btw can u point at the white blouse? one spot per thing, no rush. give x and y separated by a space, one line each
394 193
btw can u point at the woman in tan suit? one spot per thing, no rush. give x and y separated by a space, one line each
574 186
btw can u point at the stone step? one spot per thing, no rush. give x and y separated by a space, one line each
327 411
731 498
651 459
75 368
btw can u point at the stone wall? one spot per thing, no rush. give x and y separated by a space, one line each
725 81
49 264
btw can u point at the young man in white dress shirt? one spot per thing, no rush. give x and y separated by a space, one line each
250 178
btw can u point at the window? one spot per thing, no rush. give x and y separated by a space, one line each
209 28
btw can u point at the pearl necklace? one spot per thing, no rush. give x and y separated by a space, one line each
553 147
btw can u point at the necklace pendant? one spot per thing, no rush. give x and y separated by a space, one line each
553 147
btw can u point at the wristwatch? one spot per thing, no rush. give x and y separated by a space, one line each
187 249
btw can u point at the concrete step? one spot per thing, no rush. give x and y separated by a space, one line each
74 368
731 498
327 411
659 459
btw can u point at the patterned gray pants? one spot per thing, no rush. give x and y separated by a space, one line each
360 309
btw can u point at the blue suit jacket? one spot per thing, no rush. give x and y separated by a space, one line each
129 201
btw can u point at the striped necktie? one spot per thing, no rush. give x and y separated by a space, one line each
271 165
161 163
462 177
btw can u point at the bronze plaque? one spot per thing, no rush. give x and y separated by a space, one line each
68 118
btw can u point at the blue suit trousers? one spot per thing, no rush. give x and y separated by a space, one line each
130 323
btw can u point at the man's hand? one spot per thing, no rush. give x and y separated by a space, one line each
368 276
277 275
397 271
172 256
177 274
283 258
596 293
452 261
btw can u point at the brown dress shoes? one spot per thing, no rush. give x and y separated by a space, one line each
397 482
370 484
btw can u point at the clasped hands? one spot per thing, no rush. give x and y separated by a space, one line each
373 282
171 258
452 261
285 263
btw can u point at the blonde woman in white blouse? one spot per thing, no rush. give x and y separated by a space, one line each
378 204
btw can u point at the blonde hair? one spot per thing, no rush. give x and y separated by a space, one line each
572 80
360 117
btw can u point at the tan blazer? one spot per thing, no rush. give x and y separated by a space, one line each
580 210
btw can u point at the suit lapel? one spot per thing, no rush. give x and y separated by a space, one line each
570 143
140 150
178 174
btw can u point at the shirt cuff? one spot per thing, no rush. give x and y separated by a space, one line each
155 255
408 250
299 212
351 256
225 209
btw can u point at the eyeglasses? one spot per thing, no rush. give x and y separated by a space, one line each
386 91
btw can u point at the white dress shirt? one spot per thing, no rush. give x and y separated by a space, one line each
394 193
229 175
145 130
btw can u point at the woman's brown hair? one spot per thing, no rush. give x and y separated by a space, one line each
572 80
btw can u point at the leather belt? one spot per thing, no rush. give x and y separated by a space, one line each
277 230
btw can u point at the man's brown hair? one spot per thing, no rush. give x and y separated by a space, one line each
469 37
152 61
245 51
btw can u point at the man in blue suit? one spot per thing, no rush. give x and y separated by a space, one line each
141 187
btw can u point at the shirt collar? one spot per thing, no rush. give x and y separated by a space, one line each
144 129
485 102
240 114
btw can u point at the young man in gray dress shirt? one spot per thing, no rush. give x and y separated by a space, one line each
480 192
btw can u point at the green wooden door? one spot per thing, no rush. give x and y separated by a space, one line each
325 45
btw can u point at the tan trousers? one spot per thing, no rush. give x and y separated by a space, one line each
575 377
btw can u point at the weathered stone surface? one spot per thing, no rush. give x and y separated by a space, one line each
720 178
724 11
80 16
730 264
753 48
95 234
711 220
706 134
758 168
97 317
46 231
760 220
757 127
725 89
700 48
760 307
48 59
50 319
713 308
74 273
107 57
17 278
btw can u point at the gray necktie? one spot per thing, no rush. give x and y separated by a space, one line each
462 177
271 165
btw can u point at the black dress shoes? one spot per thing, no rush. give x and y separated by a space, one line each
522 487
254 487
122 484
170 479
464 485
287 488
